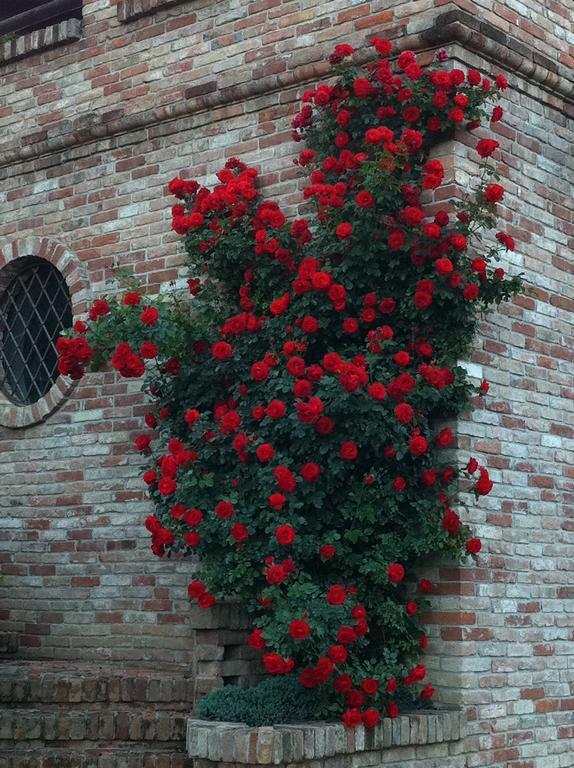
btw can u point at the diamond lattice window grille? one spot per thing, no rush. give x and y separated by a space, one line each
35 307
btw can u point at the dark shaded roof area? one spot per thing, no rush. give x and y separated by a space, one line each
20 16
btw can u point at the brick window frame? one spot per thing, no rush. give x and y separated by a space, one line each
43 26
19 416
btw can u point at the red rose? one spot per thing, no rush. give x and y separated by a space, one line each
239 532
484 484
285 534
370 685
142 443
425 586
149 316
486 147
149 477
191 539
355 698
456 115
275 574
325 425
396 239
206 600
387 306
336 595
418 445
131 298
344 230
195 589
411 608
473 546
276 409
472 466
377 391
286 480
338 654
362 87
221 350
371 717
310 472
427 692
459 242
422 299
348 451
395 573
450 522
404 413
99 308
192 516
309 324
277 501
444 438
352 718
259 371
256 640
148 350
494 193
299 630
382 46
443 266
392 709
346 635
470 292
276 665
224 510
364 199
327 551
265 452
497 113
350 325
399 484
343 683
166 486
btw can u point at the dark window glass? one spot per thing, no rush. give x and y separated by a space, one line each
35 307
20 16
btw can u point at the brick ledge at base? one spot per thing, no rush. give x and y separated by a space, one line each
211 742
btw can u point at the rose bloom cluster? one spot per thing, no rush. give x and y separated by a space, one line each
292 440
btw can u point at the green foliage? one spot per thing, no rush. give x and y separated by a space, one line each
351 323
273 701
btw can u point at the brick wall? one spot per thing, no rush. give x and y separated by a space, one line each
91 131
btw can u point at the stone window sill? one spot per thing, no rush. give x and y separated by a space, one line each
129 10
40 40
218 742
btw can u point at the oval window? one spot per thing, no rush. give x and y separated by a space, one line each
35 306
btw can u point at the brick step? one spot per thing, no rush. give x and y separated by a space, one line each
91 722
96 755
59 683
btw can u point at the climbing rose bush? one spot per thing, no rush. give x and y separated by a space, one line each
293 439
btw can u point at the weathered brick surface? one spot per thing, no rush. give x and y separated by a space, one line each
90 132
329 744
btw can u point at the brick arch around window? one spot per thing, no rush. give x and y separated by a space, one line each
16 416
